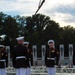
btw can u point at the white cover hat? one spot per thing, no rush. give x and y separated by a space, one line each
26 42
51 41
2 46
20 38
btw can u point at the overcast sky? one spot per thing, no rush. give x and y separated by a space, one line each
61 11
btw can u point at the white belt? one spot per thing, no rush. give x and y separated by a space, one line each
51 58
2 60
20 57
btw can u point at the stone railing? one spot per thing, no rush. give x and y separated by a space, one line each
41 70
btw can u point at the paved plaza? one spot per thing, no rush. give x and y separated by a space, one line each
41 70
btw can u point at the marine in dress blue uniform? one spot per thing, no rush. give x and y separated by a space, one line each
51 58
26 44
3 60
20 57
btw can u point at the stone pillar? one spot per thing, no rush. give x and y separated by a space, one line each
34 48
43 48
61 48
8 51
70 53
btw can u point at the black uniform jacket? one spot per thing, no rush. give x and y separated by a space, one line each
29 62
3 59
20 56
51 57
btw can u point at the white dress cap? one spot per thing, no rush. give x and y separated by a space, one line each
20 38
26 42
2 46
51 41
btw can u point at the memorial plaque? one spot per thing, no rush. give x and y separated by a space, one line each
70 51
62 52
61 48
8 51
34 48
43 47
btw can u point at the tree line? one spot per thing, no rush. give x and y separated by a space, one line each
37 29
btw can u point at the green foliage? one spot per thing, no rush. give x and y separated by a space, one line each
37 29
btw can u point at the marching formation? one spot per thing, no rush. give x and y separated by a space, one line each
22 58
